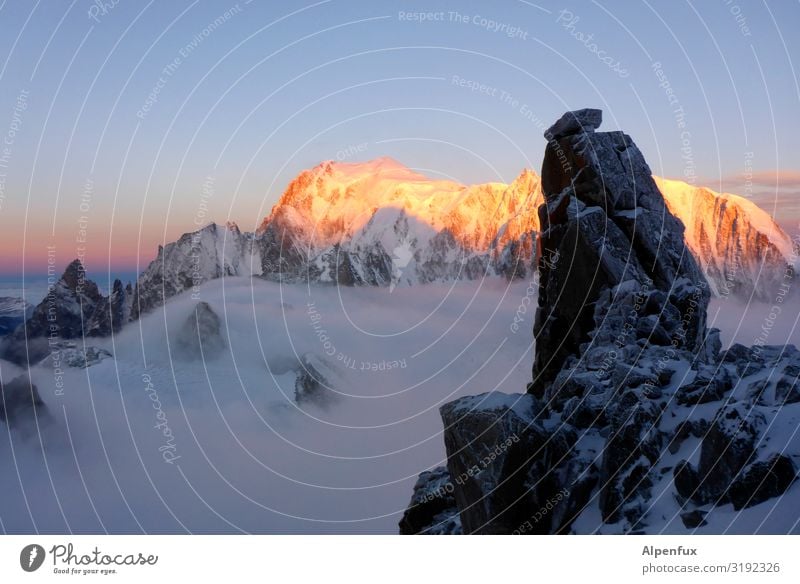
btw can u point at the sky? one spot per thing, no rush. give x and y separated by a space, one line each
125 124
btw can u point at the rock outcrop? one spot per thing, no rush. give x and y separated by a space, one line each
433 509
612 258
19 401
69 354
74 308
111 312
314 381
200 337
67 308
626 374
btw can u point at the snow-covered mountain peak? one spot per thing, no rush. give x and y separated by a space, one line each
335 201
379 222
686 200
359 214
384 166
738 245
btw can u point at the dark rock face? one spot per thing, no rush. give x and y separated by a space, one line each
504 420
585 120
20 401
762 481
111 312
692 519
313 384
625 371
432 510
283 255
630 451
499 458
607 223
787 388
371 267
200 337
727 447
619 294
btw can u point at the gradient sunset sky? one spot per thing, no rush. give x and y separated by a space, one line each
117 116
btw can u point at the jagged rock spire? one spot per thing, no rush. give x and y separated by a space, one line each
622 310
604 222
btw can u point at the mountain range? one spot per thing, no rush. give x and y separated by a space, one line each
380 223
634 417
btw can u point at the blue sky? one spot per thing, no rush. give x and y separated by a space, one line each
250 94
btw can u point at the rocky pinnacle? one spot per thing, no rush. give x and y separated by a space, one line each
623 358
604 222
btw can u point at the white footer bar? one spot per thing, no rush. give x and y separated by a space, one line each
372 559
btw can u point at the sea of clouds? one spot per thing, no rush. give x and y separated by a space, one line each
151 441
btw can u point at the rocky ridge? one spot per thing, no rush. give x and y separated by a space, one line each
209 253
74 308
634 416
